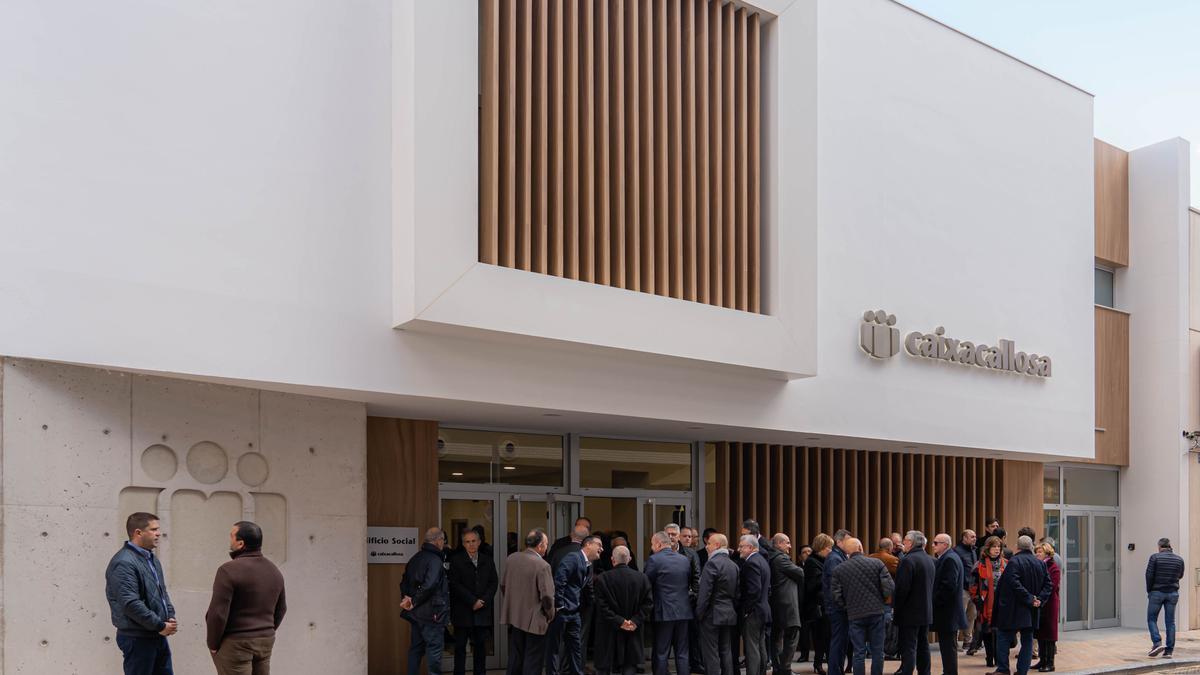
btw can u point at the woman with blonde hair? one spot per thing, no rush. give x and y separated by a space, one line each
1047 632
814 611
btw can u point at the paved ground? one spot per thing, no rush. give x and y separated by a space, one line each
1107 650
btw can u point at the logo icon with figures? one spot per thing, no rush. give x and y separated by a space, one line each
878 335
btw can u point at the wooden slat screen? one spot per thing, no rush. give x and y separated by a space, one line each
804 491
620 144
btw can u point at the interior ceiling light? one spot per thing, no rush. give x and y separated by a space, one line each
510 468
456 473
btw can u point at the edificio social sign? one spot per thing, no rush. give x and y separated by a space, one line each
391 545
880 339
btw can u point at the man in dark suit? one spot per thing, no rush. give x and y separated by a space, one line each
948 614
570 578
572 545
670 575
680 545
624 603
715 608
839 624
473 583
1022 589
753 605
787 583
912 606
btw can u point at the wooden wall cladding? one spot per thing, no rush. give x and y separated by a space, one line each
1112 387
804 491
402 491
1112 204
620 144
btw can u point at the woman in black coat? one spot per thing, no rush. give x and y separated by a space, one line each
813 613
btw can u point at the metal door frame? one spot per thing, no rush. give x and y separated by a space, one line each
1089 515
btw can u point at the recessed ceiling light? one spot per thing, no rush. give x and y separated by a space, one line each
910 447
510 468
551 415
695 427
812 438
456 473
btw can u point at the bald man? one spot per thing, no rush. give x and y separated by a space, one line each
861 587
949 616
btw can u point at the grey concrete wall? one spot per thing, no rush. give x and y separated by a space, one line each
81 448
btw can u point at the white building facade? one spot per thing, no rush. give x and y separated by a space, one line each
232 235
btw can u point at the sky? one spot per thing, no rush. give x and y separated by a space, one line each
1141 60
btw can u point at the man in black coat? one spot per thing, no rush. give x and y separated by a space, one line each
912 606
949 617
965 550
1022 589
426 598
715 607
753 605
473 583
624 603
787 580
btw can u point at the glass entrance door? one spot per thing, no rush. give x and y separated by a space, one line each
1089 584
460 513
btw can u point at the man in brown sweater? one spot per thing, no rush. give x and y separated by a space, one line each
247 606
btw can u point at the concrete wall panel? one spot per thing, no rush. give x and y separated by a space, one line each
72 485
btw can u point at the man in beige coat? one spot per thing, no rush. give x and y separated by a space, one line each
528 605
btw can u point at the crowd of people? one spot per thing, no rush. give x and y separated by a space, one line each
714 604
710 609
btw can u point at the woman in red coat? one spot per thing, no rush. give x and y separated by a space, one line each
1047 632
984 579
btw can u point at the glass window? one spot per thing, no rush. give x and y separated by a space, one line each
470 456
1053 527
1105 294
642 465
1090 487
1051 494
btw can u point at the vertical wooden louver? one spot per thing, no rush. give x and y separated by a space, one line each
620 144
804 491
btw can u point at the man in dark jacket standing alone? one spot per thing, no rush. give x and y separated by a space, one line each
473 583
137 596
247 606
426 601
861 587
1163 572
1022 589
948 614
715 607
912 606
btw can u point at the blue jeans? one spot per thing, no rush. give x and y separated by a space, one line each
1165 601
427 640
152 655
868 630
1004 639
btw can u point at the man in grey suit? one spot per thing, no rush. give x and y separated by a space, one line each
786 580
670 575
715 607
527 589
753 605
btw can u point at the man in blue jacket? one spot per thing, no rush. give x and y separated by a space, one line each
570 577
839 625
137 596
754 606
1163 572
670 575
1022 589
426 602
948 614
